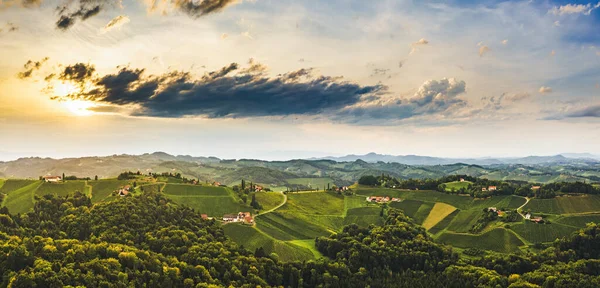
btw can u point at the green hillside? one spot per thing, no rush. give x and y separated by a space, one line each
194 190
269 200
60 189
499 240
14 184
102 189
257 175
579 221
320 203
538 233
457 185
313 183
252 239
565 204
214 201
21 199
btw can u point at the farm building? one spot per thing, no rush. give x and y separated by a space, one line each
245 217
204 216
535 188
124 191
52 178
537 219
381 199
528 216
492 188
462 179
483 189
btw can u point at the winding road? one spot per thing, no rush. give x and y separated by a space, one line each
521 207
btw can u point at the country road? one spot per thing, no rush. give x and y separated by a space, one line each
521 207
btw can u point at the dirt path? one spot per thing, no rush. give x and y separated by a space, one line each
521 207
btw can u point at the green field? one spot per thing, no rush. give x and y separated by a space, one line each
363 216
21 199
565 204
61 189
269 200
535 233
464 220
314 183
214 206
460 202
444 223
499 239
457 185
194 190
287 226
320 203
410 207
579 221
102 189
152 187
13 184
251 239
437 214
423 212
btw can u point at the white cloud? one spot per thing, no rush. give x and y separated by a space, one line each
574 9
505 41
545 90
556 23
421 42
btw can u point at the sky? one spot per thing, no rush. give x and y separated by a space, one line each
289 79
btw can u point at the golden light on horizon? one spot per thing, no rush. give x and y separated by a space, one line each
79 107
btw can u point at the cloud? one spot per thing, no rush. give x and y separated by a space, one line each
229 92
483 49
30 67
574 9
545 90
556 23
434 97
505 41
193 8
415 45
224 36
72 11
9 27
116 22
585 112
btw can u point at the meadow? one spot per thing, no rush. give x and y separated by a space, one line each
437 214
21 199
314 183
579 221
539 233
251 239
61 189
14 184
194 190
269 200
565 204
499 240
440 226
319 203
457 185
102 189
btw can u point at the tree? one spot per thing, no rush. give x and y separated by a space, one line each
368 180
63 177
96 177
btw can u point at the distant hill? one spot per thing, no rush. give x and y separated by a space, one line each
427 160
342 170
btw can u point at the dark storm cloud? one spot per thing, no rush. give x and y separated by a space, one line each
30 67
195 8
72 11
226 93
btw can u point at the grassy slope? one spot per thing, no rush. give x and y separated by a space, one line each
325 203
21 200
269 200
499 239
464 220
535 233
579 221
457 185
565 205
61 189
102 189
312 182
440 226
14 184
460 202
251 239
437 214
214 201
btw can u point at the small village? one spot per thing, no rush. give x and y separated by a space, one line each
382 199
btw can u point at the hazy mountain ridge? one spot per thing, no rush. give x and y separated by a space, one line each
428 160
541 169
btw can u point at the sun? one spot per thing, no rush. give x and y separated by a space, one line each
79 107
62 89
